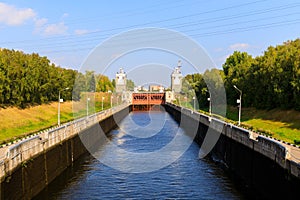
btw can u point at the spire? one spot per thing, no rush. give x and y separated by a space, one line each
179 63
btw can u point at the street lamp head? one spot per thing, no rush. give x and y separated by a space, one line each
240 91
67 88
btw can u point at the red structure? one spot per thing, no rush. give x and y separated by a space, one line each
146 101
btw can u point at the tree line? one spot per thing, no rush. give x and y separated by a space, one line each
28 79
269 81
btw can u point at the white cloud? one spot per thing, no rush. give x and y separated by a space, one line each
40 25
221 59
55 29
44 28
81 31
40 22
239 46
12 16
65 15
85 31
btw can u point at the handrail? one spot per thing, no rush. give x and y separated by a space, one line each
17 153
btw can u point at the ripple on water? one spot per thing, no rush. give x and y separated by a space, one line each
186 178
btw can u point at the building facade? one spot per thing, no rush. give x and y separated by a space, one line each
176 79
121 80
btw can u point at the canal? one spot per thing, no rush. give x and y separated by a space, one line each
124 177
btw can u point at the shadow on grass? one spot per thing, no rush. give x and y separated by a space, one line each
290 118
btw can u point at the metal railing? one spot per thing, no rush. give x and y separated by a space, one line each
278 149
16 154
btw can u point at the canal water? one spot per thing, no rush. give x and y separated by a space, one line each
142 133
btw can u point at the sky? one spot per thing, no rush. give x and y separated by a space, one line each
68 32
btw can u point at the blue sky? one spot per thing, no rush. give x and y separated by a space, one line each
67 31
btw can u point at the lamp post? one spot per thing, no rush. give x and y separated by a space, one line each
194 98
87 106
209 99
102 102
111 100
240 102
59 100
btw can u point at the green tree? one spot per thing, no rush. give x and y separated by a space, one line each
104 84
194 85
130 85
27 79
236 71
90 81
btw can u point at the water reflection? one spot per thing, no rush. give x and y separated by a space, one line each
186 178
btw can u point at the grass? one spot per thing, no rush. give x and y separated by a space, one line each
16 123
280 124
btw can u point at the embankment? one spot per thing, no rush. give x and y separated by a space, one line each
260 164
30 165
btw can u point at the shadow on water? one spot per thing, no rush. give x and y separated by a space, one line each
71 174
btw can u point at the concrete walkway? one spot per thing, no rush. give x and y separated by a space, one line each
293 152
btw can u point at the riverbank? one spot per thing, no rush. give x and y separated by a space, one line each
281 124
16 123
28 166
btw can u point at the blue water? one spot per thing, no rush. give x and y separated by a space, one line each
187 177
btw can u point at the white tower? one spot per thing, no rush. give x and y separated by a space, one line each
121 80
176 78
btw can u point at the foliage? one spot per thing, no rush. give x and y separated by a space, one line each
268 81
278 123
130 85
31 79
237 72
28 79
210 84
17 123
103 84
194 85
90 81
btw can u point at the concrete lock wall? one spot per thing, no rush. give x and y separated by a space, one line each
260 164
30 165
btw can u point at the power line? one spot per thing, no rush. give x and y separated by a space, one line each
87 42
180 25
148 23
72 43
235 30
